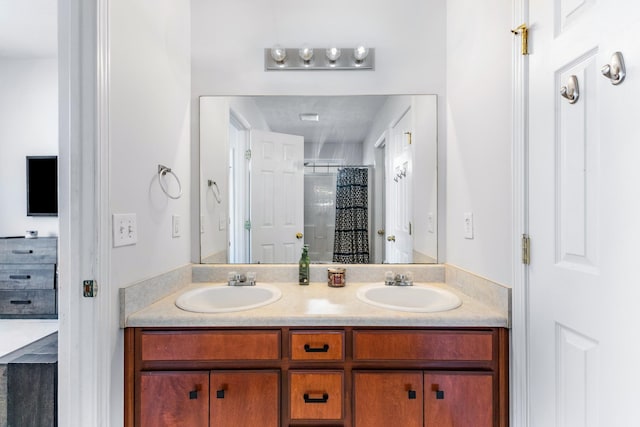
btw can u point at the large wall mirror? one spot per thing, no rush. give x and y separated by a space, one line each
352 177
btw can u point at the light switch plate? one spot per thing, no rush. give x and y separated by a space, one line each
125 230
176 229
468 225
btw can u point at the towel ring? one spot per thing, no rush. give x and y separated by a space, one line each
162 171
216 191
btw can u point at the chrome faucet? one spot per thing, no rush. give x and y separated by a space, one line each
398 279
238 279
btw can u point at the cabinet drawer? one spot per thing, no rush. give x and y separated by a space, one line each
317 345
316 395
28 251
28 302
423 345
27 276
210 345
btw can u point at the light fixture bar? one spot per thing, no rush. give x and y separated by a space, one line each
319 61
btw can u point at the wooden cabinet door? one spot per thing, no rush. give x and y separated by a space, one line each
458 399
383 399
245 398
169 399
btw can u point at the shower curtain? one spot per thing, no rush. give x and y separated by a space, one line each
351 243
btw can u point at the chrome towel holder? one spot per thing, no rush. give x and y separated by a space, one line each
162 172
215 190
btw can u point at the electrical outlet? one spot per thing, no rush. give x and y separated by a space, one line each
125 230
430 222
175 226
468 225
201 224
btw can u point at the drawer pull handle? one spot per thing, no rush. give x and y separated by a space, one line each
21 302
439 394
19 277
22 252
412 394
220 394
193 394
323 399
323 349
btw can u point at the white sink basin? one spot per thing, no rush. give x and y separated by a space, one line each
225 299
419 298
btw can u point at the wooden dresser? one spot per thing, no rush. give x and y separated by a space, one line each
28 277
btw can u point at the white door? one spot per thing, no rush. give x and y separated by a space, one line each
584 191
277 190
399 247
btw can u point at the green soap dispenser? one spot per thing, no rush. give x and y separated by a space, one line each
303 266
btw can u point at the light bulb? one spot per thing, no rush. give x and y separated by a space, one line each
333 53
306 53
360 53
278 53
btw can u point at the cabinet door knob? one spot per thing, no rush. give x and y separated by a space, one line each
220 394
412 394
323 349
19 277
308 399
193 394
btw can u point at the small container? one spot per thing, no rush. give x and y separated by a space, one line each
336 277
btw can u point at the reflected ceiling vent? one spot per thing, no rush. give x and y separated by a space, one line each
310 117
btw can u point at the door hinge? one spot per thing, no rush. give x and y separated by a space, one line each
89 288
247 225
526 249
524 33
410 229
247 154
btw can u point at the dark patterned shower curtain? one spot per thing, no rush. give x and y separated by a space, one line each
351 243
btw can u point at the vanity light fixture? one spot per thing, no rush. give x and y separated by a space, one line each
306 54
309 117
334 58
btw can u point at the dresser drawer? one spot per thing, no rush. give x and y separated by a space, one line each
317 345
316 395
28 251
187 345
28 302
27 276
423 345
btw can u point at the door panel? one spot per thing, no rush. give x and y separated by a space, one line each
245 399
277 190
582 215
172 399
383 399
458 399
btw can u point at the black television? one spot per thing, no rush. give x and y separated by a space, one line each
42 185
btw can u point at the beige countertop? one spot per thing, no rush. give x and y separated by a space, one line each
317 305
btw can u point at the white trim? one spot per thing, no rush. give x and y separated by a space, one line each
106 303
85 338
519 369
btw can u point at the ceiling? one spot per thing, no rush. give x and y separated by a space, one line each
344 119
28 28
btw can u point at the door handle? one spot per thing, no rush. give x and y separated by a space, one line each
299 236
391 238
381 232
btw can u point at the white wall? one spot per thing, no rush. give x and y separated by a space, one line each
149 124
28 127
478 108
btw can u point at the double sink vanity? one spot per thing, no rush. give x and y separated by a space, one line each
201 353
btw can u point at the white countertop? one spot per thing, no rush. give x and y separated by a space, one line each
317 305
